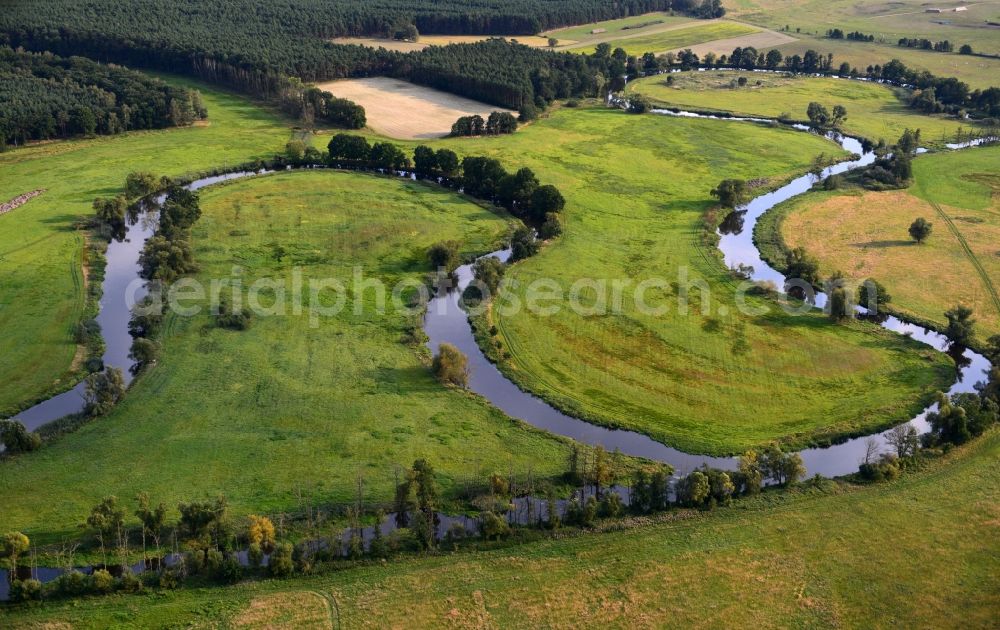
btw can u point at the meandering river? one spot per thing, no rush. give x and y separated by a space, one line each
446 322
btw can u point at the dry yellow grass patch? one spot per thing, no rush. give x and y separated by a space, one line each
762 40
865 235
303 609
406 111
535 41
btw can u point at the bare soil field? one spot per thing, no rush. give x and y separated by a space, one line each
762 40
406 111
536 41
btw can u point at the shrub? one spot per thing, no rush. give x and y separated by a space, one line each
102 581
443 255
72 583
232 318
523 244
25 590
552 227
260 531
130 583
280 563
169 579
17 439
494 527
255 555
231 571
451 366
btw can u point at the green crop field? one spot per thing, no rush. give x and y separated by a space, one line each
920 552
286 407
873 111
673 39
864 234
636 190
42 292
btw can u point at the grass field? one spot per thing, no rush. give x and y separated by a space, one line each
888 22
406 111
873 111
286 407
864 234
636 189
673 38
583 34
919 552
41 285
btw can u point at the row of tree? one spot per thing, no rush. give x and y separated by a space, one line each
520 193
498 123
854 36
46 96
945 94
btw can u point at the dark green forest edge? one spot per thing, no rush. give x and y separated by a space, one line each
270 51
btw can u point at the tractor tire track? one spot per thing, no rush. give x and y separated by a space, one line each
971 255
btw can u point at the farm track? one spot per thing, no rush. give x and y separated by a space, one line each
971 255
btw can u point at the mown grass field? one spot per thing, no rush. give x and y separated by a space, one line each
888 22
583 33
286 408
636 190
42 293
873 111
864 234
669 39
919 552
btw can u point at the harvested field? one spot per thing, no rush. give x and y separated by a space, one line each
536 41
760 41
865 235
405 111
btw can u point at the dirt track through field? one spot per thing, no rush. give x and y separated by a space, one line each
985 277
407 111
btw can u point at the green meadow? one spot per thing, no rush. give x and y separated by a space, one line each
287 408
42 292
637 189
873 111
673 39
611 28
918 552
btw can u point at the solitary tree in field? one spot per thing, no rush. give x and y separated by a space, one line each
920 230
553 42
960 324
